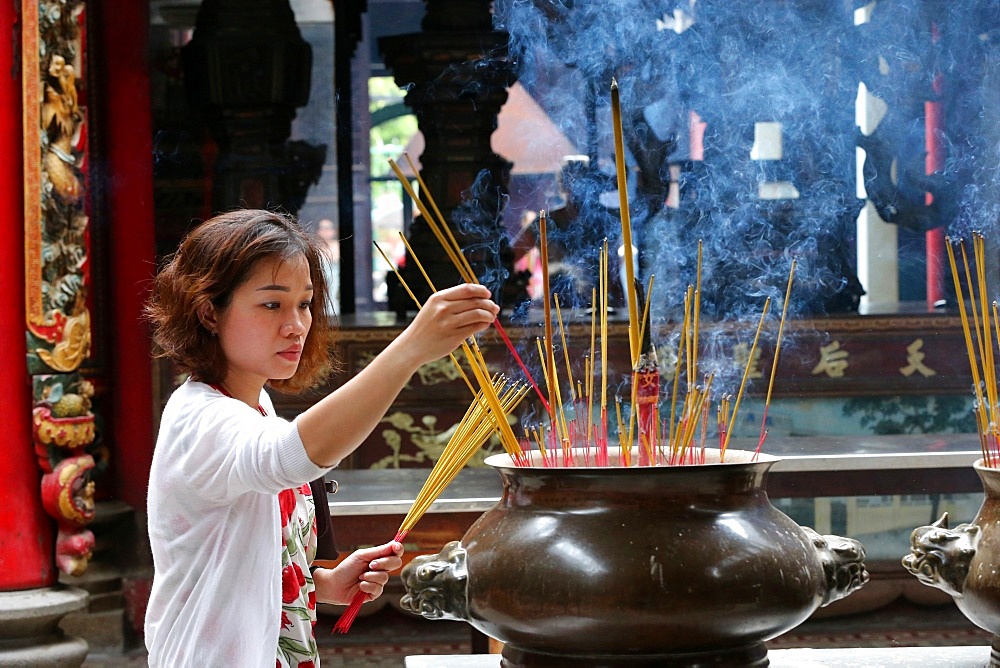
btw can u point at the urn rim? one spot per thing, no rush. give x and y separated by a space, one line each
733 457
980 465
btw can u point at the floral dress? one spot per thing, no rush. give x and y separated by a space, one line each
297 641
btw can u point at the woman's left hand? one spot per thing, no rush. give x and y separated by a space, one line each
365 570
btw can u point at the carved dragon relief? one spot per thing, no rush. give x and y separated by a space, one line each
429 442
57 270
430 374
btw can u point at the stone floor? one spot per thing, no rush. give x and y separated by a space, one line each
379 639
383 638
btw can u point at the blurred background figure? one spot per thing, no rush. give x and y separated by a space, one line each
528 258
327 231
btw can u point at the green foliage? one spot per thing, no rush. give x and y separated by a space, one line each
390 137
913 414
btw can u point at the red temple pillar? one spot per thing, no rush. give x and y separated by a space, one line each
26 532
29 603
121 54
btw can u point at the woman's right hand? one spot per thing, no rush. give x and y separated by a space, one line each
336 425
447 318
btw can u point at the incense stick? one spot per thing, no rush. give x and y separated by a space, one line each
602 449
697 308
549 358
969 345
416 301
746 374
633 316
562 336
590 364
774 362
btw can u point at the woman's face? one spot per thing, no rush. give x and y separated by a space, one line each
264 327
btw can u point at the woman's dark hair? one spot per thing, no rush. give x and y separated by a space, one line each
215 259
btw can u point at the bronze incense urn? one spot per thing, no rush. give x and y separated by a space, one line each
963 562
685 565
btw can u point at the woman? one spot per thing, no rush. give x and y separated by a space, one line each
231 520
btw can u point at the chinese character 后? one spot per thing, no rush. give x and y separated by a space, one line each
832 361
741 355
915 357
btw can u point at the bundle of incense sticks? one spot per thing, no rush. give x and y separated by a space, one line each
470 435
478 424
979 343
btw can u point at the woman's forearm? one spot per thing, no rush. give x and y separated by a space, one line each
337 424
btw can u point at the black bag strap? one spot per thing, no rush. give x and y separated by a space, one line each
326 547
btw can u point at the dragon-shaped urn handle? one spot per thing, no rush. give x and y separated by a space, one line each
437 584
843 561
941 557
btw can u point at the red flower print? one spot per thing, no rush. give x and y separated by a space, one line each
307 664
290 583
286 502
306 490
312 600
285 621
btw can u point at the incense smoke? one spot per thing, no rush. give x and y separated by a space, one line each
774 177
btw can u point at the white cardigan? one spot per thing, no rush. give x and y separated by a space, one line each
215 529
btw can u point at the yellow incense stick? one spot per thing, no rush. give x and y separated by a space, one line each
604 326
697 310
633 417
458 260
643 323
562 335
985 336
479 370
469 436
781 328
416 301
558 417
633 316
692 337
972 303
594 306
549 357
746 374
694 414
624 446
441 221
678 365
506 434
969 344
